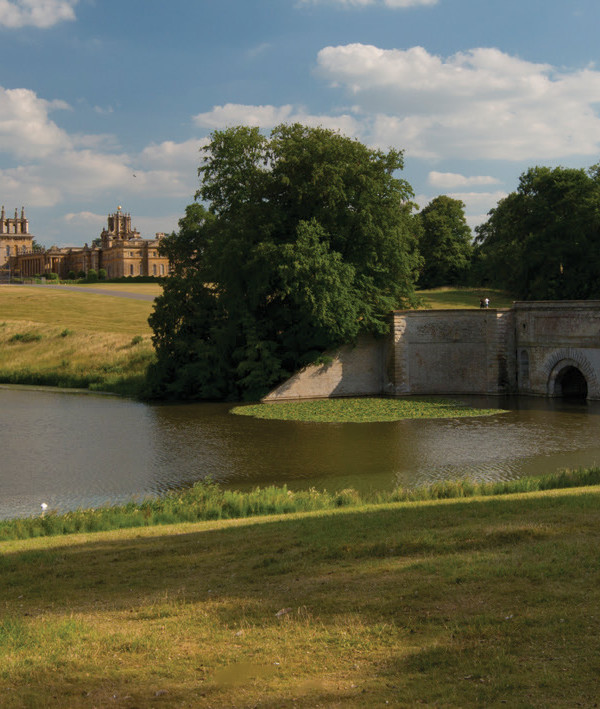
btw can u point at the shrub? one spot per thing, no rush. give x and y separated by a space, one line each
26 337
71 276
92 276
52 276
102 274
81 274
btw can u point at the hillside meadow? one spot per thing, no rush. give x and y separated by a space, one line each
55 337
456 603
80 339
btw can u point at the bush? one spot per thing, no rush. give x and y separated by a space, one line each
26 337
92 276
81 274
71 276
52 276
102 274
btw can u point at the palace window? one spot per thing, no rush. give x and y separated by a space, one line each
154 269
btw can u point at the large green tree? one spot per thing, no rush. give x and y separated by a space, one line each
543 241
445 243
306 240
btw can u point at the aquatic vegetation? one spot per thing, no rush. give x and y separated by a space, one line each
362 410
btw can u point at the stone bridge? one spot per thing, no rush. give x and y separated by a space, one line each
545 348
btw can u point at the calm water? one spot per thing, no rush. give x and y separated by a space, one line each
71 450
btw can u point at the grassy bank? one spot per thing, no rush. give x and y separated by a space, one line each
481 602
449 298
31 353
362 410
76 340
208 501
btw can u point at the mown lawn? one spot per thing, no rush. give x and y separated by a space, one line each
449 298
462 603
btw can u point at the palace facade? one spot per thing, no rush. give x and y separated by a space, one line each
120 251
14 236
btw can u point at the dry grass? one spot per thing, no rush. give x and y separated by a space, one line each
31 353
77 311
145 288
456 604
74 339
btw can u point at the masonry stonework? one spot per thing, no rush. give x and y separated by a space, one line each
538 348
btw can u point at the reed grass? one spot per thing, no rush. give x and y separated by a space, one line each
208 501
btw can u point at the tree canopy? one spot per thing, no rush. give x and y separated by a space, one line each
543 241
303 239
444 243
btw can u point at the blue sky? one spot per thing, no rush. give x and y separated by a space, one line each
105 103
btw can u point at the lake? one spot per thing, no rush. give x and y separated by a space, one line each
83 450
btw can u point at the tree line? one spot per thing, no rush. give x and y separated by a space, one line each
301 240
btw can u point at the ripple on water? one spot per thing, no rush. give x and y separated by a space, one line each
71 451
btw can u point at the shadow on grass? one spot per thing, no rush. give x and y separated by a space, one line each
439 602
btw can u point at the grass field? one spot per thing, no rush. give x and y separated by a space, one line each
462 603
71 339
458 298
145 288
77 311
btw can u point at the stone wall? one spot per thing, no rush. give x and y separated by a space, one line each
551 335
354 370
526 349
451 352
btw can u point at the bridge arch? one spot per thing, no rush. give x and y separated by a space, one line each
569 374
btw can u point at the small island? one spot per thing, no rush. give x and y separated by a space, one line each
363 410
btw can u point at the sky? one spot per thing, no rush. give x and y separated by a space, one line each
109 102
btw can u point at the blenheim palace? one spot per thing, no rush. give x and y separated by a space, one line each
121 251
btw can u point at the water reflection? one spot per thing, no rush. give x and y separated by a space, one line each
71 450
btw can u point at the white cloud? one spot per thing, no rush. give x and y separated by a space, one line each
53 166
25 128
477 104
233 114
35 13
84 218
173 155
446 180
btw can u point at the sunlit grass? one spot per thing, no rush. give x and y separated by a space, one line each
143 288
362 410
72 339
461 603
450 298
76 310
32 353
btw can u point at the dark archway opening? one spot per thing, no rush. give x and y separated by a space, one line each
571 384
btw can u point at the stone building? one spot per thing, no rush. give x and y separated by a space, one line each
14 236
121 251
